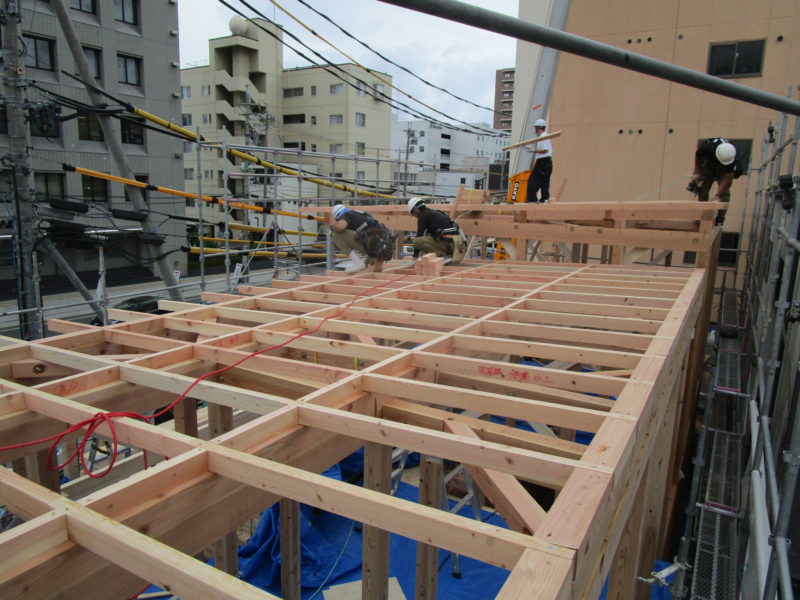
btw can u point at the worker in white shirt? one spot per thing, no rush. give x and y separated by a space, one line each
541 167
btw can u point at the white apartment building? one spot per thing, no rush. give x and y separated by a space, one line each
441 159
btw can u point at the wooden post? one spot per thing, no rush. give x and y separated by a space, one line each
185 415
290 549
375 547
36 470
220 420
430 494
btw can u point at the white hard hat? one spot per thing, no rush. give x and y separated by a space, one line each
540 123
726 153
414 203
339 210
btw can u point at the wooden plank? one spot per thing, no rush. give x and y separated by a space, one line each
434 418
290 549
546 575
512 501
31 544
465 536
375 546
427 560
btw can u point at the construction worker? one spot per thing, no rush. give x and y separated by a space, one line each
541 166
436 232
714 160
361 233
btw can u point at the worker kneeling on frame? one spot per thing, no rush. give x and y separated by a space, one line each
436 232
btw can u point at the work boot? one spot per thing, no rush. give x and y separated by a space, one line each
377 266
459 250
356 261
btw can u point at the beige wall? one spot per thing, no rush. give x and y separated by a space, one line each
660 122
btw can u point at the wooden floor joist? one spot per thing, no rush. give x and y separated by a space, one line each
395 369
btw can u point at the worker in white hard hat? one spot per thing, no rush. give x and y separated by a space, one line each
541 165
714 160
361 234
436 232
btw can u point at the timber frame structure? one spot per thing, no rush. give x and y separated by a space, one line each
392 359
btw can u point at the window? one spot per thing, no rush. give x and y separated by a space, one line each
337 89
206 118
337 175
313 91
360 176
133 132
508 84
360 148
301 145
444 166
360 88
313 119
337 119
294 119
412 149
292 92
94 189
3 120
728 249
94 58
188 147
49 185
508 74
422 148
89 128
129 69
86 6
208 173
445 136
380 89
421 133
188 174
144 191
313 147
445 152
361 119
38 53
507 94
689 258
736 59
205 90
186 92
463 180
336 148
127 11
186 119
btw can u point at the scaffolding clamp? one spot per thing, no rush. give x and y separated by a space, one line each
660 577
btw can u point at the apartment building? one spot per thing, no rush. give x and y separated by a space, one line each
133 54
339 126
439 159
503 98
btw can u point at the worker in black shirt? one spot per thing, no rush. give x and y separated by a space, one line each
346 223
436 232
714 160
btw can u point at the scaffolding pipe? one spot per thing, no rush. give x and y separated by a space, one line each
575 44
791 459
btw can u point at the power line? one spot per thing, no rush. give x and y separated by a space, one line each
396 104
390 61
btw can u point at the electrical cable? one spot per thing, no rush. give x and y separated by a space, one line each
391 102
390 61
99 419
366 69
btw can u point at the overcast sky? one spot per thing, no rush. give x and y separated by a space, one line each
456 57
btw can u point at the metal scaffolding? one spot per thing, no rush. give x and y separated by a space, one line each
748 451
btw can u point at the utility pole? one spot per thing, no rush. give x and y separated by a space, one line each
21 172
113 142
405 170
